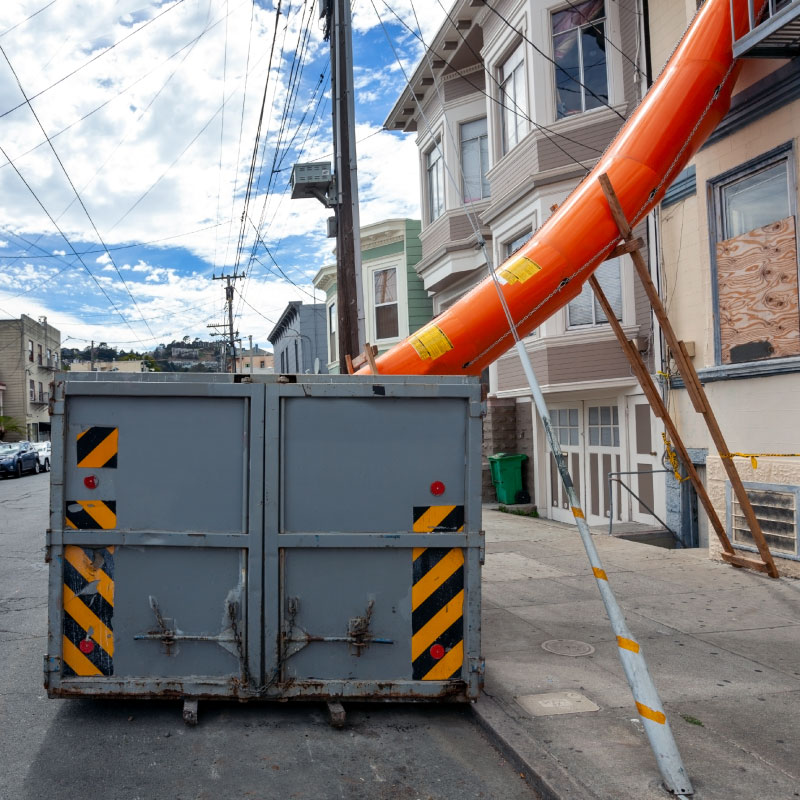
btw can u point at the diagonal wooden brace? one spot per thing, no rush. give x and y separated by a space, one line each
696 394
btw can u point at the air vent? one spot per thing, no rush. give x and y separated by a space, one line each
776 513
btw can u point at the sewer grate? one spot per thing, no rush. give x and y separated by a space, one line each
568 647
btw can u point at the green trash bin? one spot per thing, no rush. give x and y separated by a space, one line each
506 471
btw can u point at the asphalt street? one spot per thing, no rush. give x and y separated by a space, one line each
118 750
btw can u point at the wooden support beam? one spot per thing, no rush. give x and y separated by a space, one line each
653 396
626 247
371 351
741 561
691 380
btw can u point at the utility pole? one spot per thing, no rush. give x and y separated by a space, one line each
251 355
230 334
350 300
91 356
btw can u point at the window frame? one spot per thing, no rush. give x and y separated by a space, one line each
332 332
436 169
605 20
376 305
511 246
483 169
594 305
519 107
714 195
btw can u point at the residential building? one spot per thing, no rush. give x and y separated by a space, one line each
729 276
29 357
257 360
298 339
395 301
126 365
512 106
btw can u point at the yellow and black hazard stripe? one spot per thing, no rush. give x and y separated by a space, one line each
91 515
438 519
97 447
437 613
88 633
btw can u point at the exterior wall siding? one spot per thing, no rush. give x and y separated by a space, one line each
456 88
594 137
420 305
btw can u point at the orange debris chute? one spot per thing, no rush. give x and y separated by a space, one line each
677 115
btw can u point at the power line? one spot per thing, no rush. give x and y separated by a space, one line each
606 38
69 244
549 133
94 58
103 250
29 17
552 60
248 190
190 44
69 180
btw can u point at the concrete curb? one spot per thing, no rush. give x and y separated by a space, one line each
541 769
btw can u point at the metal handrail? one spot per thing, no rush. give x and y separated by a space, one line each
614 476
767 11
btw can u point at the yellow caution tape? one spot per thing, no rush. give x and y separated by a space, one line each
673 459
755 456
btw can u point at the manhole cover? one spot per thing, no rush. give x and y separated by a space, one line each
568 647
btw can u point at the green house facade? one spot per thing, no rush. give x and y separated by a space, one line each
395 302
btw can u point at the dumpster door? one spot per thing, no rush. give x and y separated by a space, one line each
156 531
370 478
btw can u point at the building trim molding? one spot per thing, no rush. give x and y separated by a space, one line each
685 185
750 369
771 93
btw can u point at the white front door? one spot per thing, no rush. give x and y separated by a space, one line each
589 434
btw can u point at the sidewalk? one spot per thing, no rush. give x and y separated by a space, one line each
722 645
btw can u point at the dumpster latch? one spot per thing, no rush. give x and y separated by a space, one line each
358 636
170 634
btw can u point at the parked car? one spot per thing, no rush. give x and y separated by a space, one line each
44 450
16 458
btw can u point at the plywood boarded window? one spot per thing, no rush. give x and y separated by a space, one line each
758 297
756 261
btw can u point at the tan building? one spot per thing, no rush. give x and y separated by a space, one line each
256 360
515 104
729 275
29 356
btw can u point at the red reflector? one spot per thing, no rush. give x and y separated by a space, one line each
86 646
437 488
437 651
90 481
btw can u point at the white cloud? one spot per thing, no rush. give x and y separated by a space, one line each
144 142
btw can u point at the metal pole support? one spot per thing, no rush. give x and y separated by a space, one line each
644 691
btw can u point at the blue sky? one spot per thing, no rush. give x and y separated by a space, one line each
115 227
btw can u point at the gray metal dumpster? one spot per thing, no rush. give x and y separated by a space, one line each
217 536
